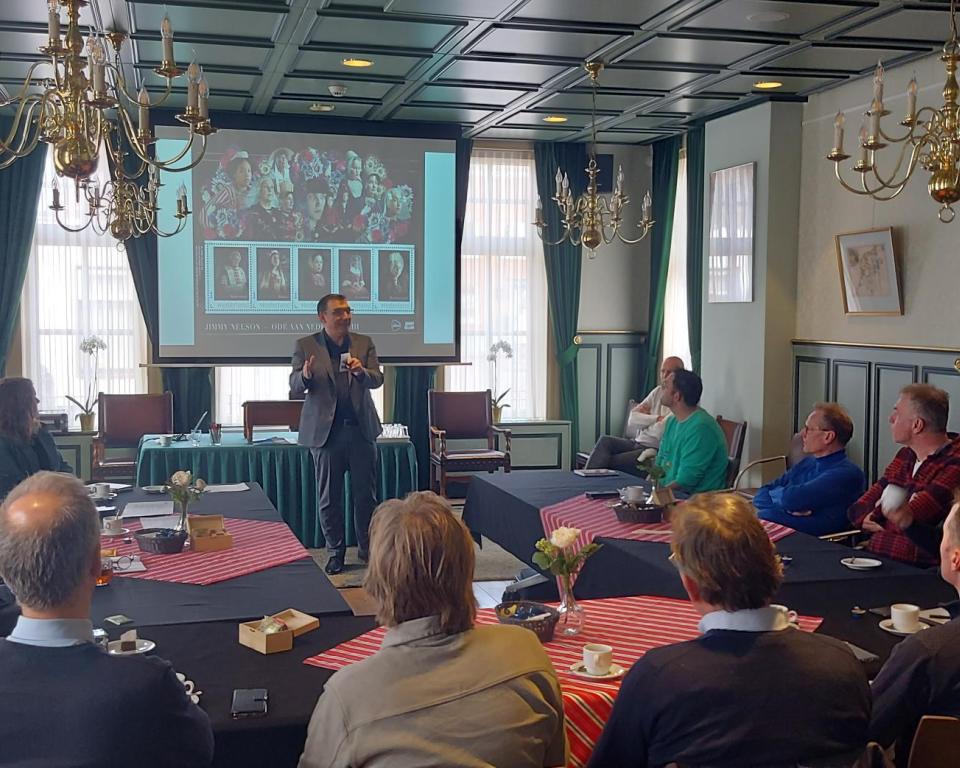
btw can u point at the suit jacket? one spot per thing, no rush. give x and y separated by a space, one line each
320 391
20 460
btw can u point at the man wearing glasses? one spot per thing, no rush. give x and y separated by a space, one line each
813 496
334 371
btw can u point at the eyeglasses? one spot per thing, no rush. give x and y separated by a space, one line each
674 560
805 428
123 562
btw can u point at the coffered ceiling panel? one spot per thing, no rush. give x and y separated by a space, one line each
497 67
628 137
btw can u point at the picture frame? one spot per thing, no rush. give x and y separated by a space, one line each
869 273
730 234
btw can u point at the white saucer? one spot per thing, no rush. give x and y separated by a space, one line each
861 563
98 499
615 671
121 532
143 646
154 488
887 626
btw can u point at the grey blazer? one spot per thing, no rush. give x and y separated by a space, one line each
320 392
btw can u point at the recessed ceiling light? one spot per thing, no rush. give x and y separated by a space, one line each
768 17
321 106
766 85
356 61
554 119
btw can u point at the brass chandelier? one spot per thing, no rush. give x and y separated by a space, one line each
932 140
592 220
81 109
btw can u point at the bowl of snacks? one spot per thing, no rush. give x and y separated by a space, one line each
538 618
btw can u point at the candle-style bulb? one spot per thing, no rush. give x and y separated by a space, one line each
204 91
838 132
143 100
166 32
912 98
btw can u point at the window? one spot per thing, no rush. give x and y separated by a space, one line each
676 334
237 384
503 288
730 257
77 285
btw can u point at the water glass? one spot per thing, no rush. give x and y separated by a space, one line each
215 434
195 436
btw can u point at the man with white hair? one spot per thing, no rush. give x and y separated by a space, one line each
65 700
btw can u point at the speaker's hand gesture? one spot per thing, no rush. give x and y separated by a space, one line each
308 367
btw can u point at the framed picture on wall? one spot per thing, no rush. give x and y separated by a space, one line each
730 243
869 278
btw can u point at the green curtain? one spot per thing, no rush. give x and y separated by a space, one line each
19 196
666 162
563 269
412 383
695 187
192 388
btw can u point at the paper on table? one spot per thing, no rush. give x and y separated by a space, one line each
134 566
167 521
227 488
148 508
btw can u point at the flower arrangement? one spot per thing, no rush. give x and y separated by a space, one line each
558 556
184 490
493 356
660 496
93 346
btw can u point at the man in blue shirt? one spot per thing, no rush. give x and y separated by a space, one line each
814 495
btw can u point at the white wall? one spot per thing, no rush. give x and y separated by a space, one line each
930 263
615 285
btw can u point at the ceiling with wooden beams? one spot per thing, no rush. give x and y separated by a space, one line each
499 67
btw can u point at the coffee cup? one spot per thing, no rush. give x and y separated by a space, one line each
892 497
101 490
633 494
905 617
597 658
792 617
165 440
112 525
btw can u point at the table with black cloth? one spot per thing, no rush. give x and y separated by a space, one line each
506 509
282 468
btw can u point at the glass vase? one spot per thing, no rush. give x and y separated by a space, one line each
571 612
182 507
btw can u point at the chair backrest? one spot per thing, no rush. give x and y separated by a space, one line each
735 432
935 742
463 415
124 419
629 431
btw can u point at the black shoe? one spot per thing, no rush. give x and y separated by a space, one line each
334 565
363 556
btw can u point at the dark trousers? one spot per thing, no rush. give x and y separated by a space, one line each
614 453
345 449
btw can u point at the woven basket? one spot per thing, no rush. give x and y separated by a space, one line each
638 513
161 541
542 628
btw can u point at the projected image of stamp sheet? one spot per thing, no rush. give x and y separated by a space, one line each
283 219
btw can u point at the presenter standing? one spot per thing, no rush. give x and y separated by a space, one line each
334 371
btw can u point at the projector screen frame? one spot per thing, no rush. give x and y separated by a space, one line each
335 126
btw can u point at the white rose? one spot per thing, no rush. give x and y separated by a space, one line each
564 537
181 478
200 484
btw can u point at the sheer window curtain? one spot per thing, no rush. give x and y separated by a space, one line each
731 235
503 291
77 285
676 336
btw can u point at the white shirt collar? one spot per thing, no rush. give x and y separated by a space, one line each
52 633
765 619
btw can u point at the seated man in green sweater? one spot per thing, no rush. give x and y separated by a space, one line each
693 449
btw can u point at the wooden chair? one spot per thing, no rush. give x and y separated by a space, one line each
935 742
463 416
123 420
270 413
735 432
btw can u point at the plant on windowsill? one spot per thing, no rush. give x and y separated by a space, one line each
92 346
496 401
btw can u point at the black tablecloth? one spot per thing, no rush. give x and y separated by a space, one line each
300 584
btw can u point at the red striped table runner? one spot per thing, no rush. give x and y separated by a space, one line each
595 517
257 546
632 625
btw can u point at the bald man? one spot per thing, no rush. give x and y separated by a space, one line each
647 418
65 701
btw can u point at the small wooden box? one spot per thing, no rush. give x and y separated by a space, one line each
297 622
207 533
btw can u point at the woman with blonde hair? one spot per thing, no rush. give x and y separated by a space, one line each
25 445
440 691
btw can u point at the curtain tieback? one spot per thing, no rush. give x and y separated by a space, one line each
568 356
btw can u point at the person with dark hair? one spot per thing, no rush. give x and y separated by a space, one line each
260 219
334 371
905 508
26 446
813 495
752 689
693 449
922 675
66 700
448 693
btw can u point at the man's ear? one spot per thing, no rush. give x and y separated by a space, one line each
955 559
691 587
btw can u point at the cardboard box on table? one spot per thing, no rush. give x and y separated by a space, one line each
297 624
207 533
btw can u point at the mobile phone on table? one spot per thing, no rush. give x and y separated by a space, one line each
602 494
249 702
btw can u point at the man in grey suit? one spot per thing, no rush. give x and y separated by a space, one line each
334 371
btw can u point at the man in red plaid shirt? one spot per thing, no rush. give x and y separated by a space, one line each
927 470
